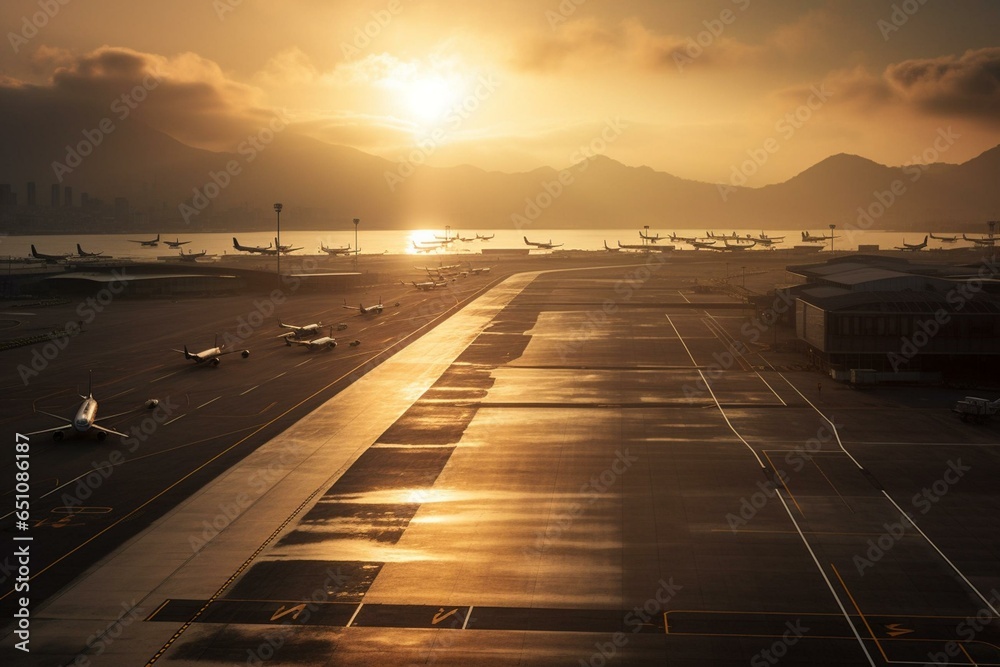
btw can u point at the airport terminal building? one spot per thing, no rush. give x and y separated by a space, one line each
908 321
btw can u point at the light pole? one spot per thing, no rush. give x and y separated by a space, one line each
832 227
277 239
357 221
645 238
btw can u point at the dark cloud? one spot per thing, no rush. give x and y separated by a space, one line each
966 85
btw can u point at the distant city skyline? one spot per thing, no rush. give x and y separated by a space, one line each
735 90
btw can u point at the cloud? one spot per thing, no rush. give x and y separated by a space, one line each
584 42
966 85
186 96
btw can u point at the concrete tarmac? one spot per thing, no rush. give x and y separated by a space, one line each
593 467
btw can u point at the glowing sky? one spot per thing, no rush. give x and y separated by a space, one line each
690 86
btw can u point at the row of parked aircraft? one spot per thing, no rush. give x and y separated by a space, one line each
84 420
440 242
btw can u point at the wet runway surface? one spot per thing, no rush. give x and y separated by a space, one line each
609 469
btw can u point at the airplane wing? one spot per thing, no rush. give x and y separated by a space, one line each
51 430
49 414
108 430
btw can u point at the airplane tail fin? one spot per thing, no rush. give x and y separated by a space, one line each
79 250
34 253
157 238
187 355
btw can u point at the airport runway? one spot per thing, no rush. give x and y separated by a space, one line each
590 467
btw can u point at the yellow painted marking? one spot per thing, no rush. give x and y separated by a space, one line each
157 610
785 484
896 630
863 619
440 616
294 611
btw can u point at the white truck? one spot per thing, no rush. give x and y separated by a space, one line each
976 409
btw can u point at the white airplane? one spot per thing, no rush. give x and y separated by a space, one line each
333 252
739 244
477 270
427 285
51 259
85 419
254 248
944 239
211 355
301 332
546 246
150 244
324 342
647 248
425 248
81 253
177 243
651 239
809 238
913 247
984 241
764 239
369 310
485 238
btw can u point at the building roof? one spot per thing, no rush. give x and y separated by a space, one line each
926 302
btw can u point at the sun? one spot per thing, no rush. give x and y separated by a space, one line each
429 97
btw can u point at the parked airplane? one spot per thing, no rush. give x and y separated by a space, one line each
254 248
85 419
912 247
610 249
51 259
151 244
369 310
427 285
191 256
477 270
984 241
324 342
333 252
738 244
651 239
80 252
301 332
683 239
546 246
647 248
211 355
485 238
708 245
177 243
809 238
944 239
764 239
284 249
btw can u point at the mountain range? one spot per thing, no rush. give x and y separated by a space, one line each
322 185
